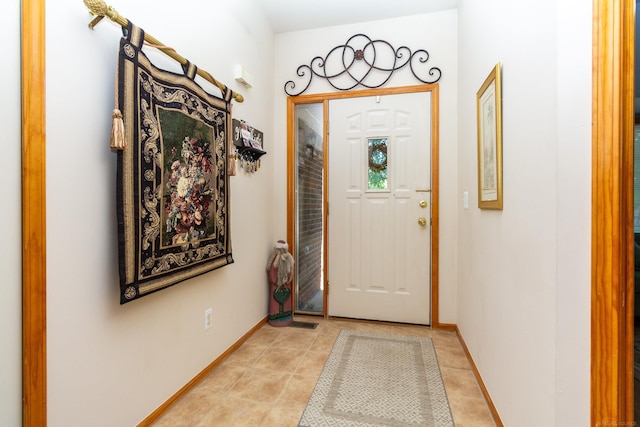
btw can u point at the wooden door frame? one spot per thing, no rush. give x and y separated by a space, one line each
34 283
612 270
324 99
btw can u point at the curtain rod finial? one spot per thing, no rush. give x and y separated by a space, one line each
100 8
96 7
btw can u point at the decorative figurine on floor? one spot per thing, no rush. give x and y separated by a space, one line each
280 273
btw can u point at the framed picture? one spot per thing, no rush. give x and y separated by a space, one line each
490 142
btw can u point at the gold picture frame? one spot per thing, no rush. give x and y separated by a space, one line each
489 105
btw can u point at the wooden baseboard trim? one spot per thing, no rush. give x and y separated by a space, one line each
485 392
188 386
445 326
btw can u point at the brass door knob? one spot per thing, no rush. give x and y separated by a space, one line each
422 222
423 203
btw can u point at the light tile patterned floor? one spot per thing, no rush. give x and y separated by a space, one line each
268 380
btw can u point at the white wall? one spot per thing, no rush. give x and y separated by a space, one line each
112 365
523 290
11 242
436 33
573 290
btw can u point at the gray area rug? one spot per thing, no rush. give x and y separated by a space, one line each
375 379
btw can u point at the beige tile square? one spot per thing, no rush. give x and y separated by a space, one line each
245 355
264 336
228 412
452 357
259 385
380 328
298 390
284 416
293 338
470 412
187 411
413 331
461 383
333 327
220 379
323 342
445 339
280 359
313 363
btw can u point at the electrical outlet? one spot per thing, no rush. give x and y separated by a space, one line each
208 318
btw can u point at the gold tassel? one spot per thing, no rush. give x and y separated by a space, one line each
232 163
118 141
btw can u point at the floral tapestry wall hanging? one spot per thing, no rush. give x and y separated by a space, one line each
172 181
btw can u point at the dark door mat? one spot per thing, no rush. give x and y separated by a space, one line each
305 325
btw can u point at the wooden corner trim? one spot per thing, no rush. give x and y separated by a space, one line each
612 214
34 284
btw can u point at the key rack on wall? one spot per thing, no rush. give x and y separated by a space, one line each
248 142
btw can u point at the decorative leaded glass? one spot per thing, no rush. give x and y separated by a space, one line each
378 170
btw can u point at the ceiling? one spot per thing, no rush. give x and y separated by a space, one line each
297 15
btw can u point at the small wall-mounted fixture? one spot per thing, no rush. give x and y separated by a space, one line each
311 150
242 75
249 143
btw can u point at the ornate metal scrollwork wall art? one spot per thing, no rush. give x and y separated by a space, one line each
361 62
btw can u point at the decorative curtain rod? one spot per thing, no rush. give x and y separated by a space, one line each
100 9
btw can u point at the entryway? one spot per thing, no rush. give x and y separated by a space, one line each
375 236
380 204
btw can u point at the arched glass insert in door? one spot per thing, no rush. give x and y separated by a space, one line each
309 184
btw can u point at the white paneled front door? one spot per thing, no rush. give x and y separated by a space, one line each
380 208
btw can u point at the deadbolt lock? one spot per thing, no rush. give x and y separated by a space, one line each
423 203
